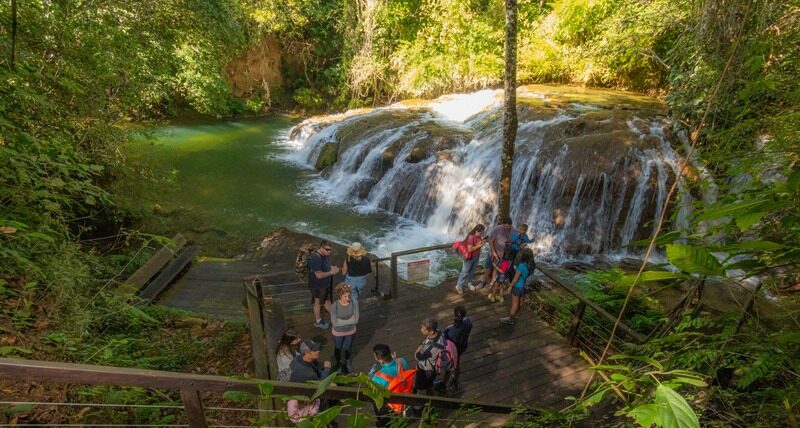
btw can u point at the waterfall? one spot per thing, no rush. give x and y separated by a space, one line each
591 172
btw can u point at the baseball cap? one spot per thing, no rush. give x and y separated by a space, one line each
308 346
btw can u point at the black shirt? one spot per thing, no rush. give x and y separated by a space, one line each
359 267
319 263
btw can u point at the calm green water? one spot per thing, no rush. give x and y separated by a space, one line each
224 186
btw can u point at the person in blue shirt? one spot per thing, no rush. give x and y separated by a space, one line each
385 366
519 238
524 269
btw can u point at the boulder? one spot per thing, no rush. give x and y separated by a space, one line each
328 155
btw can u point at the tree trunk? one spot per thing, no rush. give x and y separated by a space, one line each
510 117
13 33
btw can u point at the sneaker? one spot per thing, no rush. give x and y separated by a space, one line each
507 320
473 288
491 298
499 298
321 324
459 289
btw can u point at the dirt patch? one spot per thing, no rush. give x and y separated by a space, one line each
257 71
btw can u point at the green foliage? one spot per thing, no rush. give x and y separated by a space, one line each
648 390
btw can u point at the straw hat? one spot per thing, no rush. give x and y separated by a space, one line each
355 249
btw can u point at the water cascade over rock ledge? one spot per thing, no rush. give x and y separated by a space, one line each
591 171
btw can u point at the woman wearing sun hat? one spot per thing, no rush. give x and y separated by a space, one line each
356 267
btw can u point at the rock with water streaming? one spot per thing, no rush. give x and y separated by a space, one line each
589 177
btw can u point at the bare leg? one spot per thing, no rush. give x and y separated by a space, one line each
515 304
317 317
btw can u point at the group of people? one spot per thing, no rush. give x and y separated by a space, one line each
509 263
437 366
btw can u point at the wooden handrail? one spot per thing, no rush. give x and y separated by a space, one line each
82 374
636 336
629 332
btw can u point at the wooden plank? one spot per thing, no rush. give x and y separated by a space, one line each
135 282
82 374
194 408
170 272
253 296
274 326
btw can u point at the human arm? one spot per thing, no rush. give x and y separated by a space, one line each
516 278
337 321
345 266
315 265
477 244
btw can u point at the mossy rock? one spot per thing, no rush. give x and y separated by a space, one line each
327 156
361 128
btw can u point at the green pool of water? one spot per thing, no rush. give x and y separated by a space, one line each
220 183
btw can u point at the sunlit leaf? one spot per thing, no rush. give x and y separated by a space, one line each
646 415
693 259
673 410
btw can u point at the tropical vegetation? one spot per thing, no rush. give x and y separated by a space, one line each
78 77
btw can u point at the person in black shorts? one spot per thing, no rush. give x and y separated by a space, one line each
320 281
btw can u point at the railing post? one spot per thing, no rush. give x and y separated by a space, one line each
194 408
251 293
377 276
394 276
576 322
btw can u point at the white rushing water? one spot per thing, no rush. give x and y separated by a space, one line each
588 179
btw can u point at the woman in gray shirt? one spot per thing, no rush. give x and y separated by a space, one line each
344 317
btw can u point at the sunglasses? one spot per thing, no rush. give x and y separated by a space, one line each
327 248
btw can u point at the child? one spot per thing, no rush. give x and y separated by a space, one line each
458 332
500 276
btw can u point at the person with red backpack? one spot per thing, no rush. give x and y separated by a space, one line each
392 373
470 249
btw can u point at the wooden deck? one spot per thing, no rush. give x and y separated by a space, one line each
527 363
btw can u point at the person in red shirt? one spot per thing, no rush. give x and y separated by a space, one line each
472 252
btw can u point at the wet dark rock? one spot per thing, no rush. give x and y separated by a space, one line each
364 186
327 156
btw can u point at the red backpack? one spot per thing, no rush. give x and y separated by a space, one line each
403 382
461 247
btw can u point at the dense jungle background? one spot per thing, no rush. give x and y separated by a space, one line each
77 78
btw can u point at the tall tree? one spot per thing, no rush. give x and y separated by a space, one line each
510 117
13 33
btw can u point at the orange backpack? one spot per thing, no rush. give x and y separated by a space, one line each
403 382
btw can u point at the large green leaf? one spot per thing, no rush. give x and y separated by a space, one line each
746 221
730 210
693 260
324 384
653 275
673 410
646 415
322 419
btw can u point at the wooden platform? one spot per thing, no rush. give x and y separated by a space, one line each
527 363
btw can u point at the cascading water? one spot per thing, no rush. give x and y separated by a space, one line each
591 171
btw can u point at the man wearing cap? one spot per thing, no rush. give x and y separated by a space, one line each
304 368
320 281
